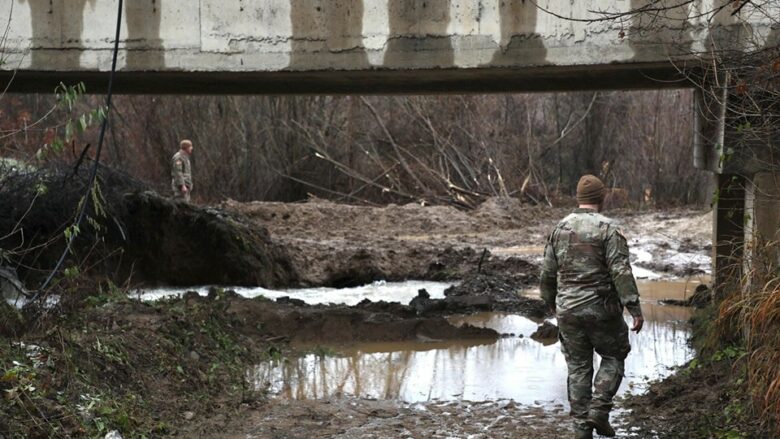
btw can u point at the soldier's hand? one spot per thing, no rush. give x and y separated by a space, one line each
638 323
183 188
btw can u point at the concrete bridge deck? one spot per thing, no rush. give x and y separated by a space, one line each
363 46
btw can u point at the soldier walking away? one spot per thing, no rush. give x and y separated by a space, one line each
587 281
181 172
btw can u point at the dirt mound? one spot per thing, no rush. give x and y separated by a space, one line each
167 242
494 292
380 321
546 333
127 366
180 244
341 245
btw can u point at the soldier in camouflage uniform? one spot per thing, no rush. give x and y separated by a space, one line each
181 172
587 281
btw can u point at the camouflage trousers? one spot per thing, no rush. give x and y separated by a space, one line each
179 195
598 327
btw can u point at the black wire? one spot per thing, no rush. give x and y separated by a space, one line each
93 173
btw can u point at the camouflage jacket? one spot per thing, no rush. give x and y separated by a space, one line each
181 172
585 260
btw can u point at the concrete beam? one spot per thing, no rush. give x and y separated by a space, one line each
341 46
494 80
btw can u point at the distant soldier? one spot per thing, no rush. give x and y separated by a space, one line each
181 172
587 280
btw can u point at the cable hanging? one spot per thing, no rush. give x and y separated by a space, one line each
93 172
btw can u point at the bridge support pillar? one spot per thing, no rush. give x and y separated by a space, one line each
746 206
728 236
762 224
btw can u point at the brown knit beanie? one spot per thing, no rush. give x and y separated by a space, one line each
590 190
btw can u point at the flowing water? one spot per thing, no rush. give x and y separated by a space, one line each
401 292
513 367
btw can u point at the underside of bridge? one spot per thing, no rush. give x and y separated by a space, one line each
375 81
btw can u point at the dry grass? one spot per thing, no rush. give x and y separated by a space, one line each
753 315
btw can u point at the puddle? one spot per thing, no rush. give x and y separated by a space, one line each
651 291
515 367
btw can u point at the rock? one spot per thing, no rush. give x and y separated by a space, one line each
423 303
113 434
702 296
188 415
546 333
290 301
194 356
11 288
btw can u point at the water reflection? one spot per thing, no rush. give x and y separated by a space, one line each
516 368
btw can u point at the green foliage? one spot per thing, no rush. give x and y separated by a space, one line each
68 95
730 352
71 231
41 188
71 272
732 434
67 98
274 353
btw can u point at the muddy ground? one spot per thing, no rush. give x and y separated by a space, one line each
161 358
339 245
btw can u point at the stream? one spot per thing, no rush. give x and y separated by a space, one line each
513 367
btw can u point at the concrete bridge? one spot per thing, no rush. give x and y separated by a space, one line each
349 46
406 46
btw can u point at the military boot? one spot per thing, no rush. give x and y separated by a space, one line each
601 423
583 433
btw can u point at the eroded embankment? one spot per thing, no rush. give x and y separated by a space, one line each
341 245
174 243
149 367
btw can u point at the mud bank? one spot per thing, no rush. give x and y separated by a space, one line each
354 418
150 368
175 243
482 292
341 245
294 321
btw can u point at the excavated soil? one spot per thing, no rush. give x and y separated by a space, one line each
175 243
341 245
292 320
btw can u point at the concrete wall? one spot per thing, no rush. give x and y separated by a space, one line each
365 38
762 212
